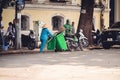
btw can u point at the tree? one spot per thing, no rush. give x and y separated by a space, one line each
19 5
86 18
3 4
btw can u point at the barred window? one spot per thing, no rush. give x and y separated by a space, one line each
57 21
24 22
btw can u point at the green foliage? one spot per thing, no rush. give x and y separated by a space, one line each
37 23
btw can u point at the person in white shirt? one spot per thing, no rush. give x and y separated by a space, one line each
11 30
11 33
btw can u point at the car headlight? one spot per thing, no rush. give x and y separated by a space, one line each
118 32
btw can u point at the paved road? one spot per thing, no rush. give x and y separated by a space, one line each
80 65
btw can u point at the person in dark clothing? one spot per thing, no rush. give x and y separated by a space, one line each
97 37
11 33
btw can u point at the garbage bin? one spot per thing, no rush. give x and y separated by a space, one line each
57 43
60 42
51 44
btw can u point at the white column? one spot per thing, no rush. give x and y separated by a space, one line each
19 31
116 10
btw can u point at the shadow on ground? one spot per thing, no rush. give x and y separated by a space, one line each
94 58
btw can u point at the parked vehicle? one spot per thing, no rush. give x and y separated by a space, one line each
28 40
111 36
96 37
73 43
0 42
83 40
57 42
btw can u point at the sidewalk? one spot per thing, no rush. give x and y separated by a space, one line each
36 50
22 51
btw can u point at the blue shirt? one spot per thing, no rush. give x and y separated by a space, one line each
45 33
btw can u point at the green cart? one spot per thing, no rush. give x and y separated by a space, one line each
57 43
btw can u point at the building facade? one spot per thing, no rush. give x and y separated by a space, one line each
56 12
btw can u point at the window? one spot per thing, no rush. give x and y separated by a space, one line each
24 22
57 21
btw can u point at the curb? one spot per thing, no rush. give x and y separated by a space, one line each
21 51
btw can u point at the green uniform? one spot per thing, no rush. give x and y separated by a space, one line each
68 29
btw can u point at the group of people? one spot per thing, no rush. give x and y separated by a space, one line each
8 36
45 33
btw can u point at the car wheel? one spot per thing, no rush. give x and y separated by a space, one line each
105 46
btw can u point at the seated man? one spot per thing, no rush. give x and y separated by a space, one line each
68 28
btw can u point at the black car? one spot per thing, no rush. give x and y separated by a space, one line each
111 36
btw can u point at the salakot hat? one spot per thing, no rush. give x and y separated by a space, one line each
45 26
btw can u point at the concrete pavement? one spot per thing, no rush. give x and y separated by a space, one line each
79 65
26 50
19 51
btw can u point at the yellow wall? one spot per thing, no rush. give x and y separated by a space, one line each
78 2
8 16
41 15
106 18
46 16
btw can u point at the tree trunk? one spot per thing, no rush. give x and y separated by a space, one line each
1 8
86 17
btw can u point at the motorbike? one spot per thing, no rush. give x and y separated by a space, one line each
28 40
96 38
73 42
0 42
83 40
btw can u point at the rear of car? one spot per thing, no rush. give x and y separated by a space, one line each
111 36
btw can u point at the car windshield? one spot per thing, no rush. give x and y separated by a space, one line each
116 25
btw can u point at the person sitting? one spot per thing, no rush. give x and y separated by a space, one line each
11 33
68 28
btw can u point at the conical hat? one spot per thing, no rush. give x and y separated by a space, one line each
45 26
